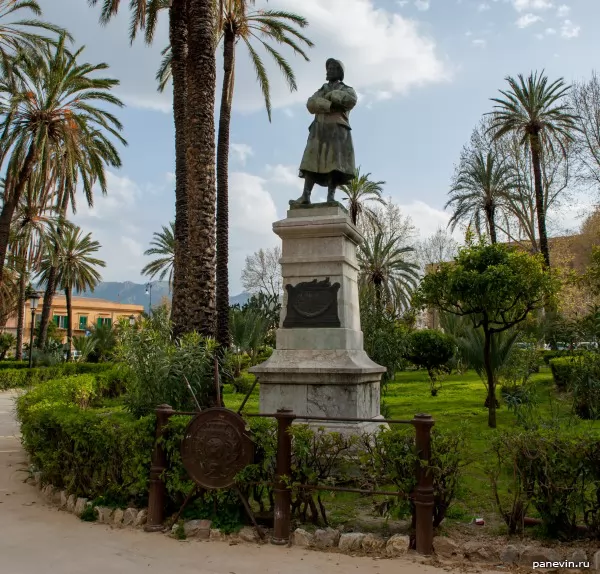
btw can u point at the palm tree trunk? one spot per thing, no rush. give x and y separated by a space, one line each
52 281
12 197
223 191
69 322
536 160
200 156
489 212
489 371
178 34
21 315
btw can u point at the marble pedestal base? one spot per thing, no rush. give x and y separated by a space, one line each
322 383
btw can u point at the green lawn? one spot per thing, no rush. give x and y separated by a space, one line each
459 402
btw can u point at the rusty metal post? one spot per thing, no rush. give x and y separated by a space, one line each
423 495
283 495
156 496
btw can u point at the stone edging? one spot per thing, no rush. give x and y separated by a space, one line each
327 539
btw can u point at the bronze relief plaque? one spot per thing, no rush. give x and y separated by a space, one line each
312 304
216 446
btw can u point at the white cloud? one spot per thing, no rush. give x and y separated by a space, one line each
563 11
402 3
241 152
527 20
426 218
479 42
550 31
483 7
525 5
569 30
422 5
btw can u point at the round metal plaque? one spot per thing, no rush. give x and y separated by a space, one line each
216 447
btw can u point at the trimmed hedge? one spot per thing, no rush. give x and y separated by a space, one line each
564 371
18 378
547 356
14 364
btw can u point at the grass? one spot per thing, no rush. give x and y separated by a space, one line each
460 401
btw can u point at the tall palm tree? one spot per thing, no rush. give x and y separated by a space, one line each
386 268
76 263
163 245
263 27
21 34
360 191
539 113
56 108
482 185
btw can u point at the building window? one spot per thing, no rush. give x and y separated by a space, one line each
104 321
38 319
82 322
61 321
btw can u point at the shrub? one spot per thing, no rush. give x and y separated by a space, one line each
7 342
390 458
551 469
563 371
88 452
8 364
160 366
585 387
431 350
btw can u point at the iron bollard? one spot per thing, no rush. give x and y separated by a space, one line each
423 495
156 496
283 495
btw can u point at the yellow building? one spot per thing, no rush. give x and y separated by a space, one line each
87 312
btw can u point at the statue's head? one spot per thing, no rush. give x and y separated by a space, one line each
335 70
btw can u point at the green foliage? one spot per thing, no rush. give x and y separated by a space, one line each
248 329
104 338
552 470
7 342
88 452
21 377
563 370
581 376
390 458
496 287
269 306
432 350
160 366
385 339
89 514
85 346
12 364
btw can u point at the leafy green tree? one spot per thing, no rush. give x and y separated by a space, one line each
361 191
104 337
432 350
76 263
248 331
496 287
482 186
7 342
163 245
539 112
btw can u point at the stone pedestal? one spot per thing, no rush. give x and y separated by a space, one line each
319 366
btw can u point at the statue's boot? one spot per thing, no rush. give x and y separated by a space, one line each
304 199
331 195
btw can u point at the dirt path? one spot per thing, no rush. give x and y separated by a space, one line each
35 537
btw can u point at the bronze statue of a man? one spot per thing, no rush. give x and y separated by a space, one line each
328 159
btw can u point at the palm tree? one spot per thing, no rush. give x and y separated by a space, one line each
385 267
539 113
163 245
261 26
76 265
359 192
19 35
482 185
55 108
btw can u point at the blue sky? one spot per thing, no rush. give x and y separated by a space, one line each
424 71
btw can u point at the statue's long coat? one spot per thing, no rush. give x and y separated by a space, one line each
329 149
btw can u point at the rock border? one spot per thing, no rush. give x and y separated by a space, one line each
354 543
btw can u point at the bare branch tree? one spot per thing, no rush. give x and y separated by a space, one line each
262 272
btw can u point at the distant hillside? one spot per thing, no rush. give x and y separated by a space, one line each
135 293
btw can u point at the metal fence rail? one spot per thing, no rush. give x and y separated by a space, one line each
422 496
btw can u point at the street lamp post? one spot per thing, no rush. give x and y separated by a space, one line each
149 292
34 297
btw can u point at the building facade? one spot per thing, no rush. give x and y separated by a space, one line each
87 313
